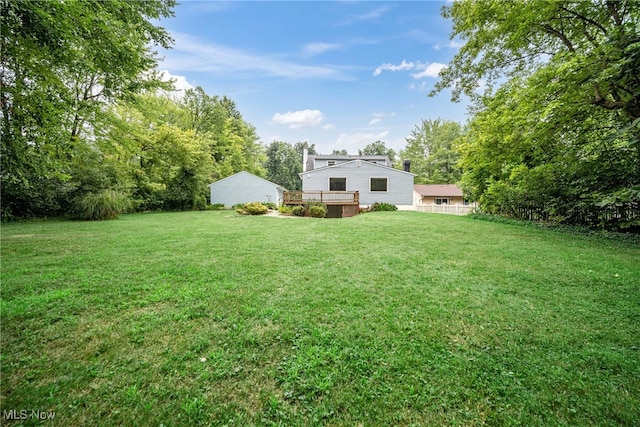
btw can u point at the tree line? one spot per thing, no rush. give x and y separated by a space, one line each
86 121
555 136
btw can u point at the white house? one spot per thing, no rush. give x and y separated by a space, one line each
371 176
245 187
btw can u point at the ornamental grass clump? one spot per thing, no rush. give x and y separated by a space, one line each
103 205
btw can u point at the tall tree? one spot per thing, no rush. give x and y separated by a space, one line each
378 148
61 63
596 42
283 165
560 138
431 149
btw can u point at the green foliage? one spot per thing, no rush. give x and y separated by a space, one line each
285 210
379 148
81 112
253 208
284 163
432 151
318 211
298 210
103 205
383 207
217 206
63 63
561 136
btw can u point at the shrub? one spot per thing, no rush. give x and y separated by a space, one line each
105 204
255 208
217 207
270 205
298 210
377 207
285 210
317 211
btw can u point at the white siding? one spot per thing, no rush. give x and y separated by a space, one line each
244 187
358 173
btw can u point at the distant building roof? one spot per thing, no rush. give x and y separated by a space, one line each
438 190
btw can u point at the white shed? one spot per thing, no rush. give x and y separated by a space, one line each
245 187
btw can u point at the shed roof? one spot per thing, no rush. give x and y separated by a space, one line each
249 174
438 190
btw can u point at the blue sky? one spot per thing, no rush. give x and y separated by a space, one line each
339 75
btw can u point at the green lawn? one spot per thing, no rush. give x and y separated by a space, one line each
387 318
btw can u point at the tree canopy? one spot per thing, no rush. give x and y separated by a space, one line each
81 115
431 147
556 135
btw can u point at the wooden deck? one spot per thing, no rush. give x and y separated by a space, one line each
326 197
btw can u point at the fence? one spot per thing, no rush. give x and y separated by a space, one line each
448 209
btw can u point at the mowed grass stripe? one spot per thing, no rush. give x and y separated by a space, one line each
210 318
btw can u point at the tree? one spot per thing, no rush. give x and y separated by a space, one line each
283 165
62 62
380 149
596 42
560 138
431 149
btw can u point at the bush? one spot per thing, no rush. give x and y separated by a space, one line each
217 207
318 211
298 210
377 207
253 208
105 204
285 210
270 205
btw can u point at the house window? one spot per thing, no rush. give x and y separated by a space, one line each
331 162
442 201
337 184
378 184
466 202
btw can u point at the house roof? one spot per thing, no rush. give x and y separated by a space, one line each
248 174
344 158
343 164
438 190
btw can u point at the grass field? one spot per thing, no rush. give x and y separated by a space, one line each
387 318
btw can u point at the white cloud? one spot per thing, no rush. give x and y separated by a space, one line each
453 44
425 70
377 118
180 83
329 126
193 54
369 16
299 119
404 65
313 49
352 142
429 70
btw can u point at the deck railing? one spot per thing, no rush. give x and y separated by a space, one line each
326 197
